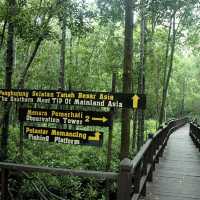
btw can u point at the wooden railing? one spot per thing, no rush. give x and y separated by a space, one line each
195 133
132 178
134 174
21 168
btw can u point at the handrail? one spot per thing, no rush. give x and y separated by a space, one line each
139 155
13 167
136 173
195 133
146 146
58 171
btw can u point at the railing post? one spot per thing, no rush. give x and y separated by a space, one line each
144 172
195 134
153 149
157 145
125 180
165 137
161 142
150 162
198 136
4 184
137 178
144 190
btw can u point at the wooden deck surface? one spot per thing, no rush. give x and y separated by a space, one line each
177 176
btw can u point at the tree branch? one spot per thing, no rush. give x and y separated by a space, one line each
3 33
23 76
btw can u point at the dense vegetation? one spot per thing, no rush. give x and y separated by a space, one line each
79 45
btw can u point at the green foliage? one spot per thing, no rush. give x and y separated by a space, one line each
110 11
151 126
94 50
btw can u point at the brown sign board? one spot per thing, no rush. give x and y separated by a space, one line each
73 117
64 136
75 98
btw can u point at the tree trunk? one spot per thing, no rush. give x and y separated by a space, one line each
3 34
30 61
70 51
165 75
109 152
135 120
141 83
134 117
173 42
62 62
62 54
157 94
110 138
183 98
8 77
36 47
76 55
127 77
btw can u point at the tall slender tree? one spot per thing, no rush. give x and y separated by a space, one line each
127 76
141 83
10 49
168 74
164 92
62 53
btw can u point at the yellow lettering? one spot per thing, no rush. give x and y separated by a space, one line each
86 96
70 95
106 97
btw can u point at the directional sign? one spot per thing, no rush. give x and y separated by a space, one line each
76 98
75 137
74 117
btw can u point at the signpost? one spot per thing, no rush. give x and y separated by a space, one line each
65 136
75 98
73 117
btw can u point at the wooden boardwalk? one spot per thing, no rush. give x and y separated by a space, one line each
177 176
